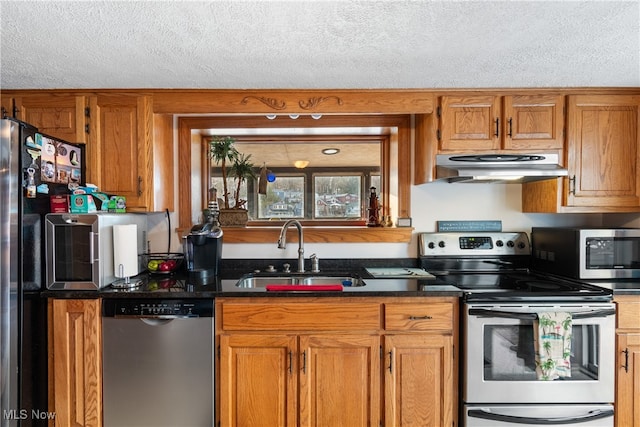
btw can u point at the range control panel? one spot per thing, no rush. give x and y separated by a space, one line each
473 243
159 308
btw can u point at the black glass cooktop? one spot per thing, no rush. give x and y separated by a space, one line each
523 285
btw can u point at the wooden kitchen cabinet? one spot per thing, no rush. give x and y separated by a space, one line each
119 152
319 361
58 115
476 123
75 362
627 411
340 379
131 151
298 363
603 159
419 371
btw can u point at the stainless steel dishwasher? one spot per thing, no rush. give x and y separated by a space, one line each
158 362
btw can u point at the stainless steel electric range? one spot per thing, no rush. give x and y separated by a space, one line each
501 383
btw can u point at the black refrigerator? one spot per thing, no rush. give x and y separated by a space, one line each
33 167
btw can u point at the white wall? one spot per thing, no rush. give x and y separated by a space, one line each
429 203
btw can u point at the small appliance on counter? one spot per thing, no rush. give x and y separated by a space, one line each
587 253
79 249
203 250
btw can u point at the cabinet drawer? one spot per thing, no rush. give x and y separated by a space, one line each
419 317
300 316
629 315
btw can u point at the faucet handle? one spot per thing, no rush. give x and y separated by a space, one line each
315 263
286 267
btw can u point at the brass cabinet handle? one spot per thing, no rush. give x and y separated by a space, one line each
626 359
572 183
420 317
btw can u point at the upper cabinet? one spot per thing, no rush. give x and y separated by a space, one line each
129 149
61 116
472 123
120 139
603 159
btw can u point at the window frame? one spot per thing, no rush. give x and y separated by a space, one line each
396 179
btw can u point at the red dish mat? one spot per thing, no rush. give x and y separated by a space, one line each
303 287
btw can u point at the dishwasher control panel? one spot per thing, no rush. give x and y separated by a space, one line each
179 308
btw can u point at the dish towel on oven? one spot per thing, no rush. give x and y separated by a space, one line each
552 342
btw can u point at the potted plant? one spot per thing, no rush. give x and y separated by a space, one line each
222 151
241 170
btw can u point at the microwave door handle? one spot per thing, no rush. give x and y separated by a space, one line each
591 415
92 247
483 312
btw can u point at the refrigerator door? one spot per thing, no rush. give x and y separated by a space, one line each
538 415
9 271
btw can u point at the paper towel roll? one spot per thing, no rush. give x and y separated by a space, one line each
125 250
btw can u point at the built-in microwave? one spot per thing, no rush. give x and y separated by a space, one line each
79 248
587 253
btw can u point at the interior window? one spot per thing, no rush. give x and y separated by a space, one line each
305 182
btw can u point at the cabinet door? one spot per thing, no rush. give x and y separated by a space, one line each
469 123
628 381
258 380
62 116
6 106
340 380
119 153
418 380
533 122
603 151
75 366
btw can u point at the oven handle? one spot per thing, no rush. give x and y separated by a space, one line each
591 415
483 312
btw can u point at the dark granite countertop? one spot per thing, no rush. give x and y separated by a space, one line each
179 285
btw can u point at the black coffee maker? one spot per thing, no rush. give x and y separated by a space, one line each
203 250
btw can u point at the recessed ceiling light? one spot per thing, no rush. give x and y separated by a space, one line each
330 151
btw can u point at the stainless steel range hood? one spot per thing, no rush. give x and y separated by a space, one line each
498 168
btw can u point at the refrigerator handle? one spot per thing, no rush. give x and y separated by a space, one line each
591 415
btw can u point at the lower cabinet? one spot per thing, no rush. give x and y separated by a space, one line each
628 362
330 361
75 362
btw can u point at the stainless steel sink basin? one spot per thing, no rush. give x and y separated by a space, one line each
253 281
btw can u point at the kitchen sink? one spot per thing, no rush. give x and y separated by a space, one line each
254 281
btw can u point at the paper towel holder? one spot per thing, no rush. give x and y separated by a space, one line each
125 282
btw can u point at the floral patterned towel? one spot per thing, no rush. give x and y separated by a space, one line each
552 342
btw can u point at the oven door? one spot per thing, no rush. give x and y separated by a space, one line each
499 357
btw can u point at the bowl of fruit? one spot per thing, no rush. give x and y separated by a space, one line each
163 263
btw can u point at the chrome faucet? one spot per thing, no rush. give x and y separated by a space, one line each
282 241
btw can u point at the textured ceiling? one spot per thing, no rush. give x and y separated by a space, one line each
319 44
